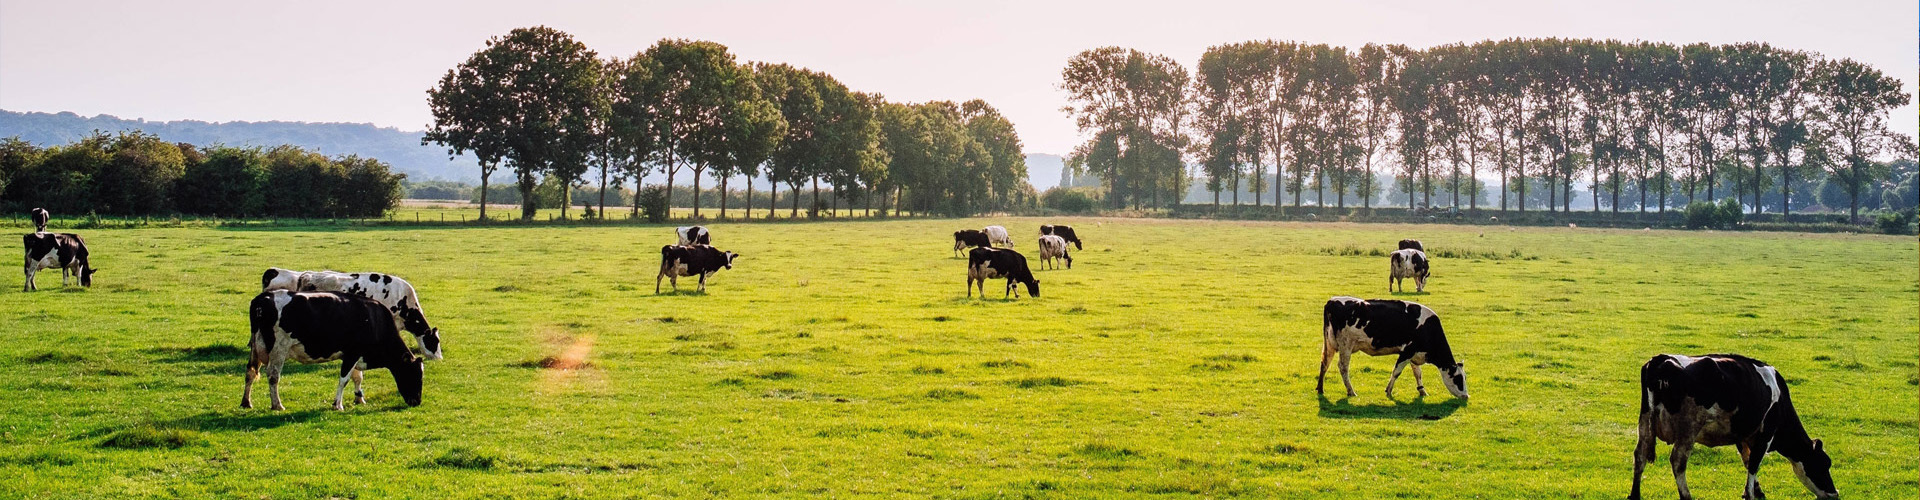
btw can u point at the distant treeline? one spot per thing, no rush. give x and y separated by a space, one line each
139 174
1637 123
545 106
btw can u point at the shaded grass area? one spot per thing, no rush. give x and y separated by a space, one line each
842 359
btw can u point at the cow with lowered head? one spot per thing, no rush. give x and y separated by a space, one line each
396 293
969 238
1413 244
1719 400
40 217
691 260
1407 263
694 235
66 251
1054 248
1382 327
998 235
987 263
317 327
1064 232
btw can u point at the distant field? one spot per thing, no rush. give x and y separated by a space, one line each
843 359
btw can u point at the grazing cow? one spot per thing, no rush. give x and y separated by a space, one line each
691 260
1719 400
1063 232
1413 244
998 235
396 293
1381 327
693 235
969 238
1054 247
1408 263
987 263
317 327
66 251
40 217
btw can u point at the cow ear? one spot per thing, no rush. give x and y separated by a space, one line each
1818 446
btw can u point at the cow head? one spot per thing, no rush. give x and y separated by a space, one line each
958 242
1456 379
730 257
86 275
406 376
1814 471
429 337
1033 288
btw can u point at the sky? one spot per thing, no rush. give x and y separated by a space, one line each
372 62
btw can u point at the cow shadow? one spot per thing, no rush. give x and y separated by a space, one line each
1407 294
229 420
1416 408
678 293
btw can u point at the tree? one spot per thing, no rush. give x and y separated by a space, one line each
797 153
1136 100
1852 101
231 182
139 178
752 129
691 86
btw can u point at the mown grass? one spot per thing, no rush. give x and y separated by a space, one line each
842 359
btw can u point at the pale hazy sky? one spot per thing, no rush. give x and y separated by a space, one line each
358 61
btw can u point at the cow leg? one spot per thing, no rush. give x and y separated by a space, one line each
1010 290
28 287
273 382
1326 354
1752 457
656 283
1346 358
340 389
1419 384
703 283
969 287
1396 376
359 392
253 373
1681 451
1642 453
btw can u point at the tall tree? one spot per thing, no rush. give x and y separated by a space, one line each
1852 102
690 84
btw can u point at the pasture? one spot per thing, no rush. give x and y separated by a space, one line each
1176 359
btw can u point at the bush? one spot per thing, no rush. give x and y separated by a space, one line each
653 204
1729 212
1067 200
1900 222
1701 214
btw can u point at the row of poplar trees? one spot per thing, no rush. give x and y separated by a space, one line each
1615 116
543 105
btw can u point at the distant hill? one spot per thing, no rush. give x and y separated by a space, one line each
399 148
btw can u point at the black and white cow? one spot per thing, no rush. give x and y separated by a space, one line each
998 236
317 327
987 263
40 217
1719 400
1381 327
693 235
1413 244
691 260
969 238
65 251
1054 247
1065 232
396 293
1408 263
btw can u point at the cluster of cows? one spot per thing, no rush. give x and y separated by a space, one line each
356 318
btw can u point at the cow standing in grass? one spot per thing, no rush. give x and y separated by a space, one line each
1064 232
1407 263
694 235
1413 244
1719 400
1054 248
317 327
397 294
40 218
969 238
65 251
691 260
1381 327
998 236
987 263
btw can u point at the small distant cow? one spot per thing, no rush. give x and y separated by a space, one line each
317 327
1408 263
987 263
691 260
969 238
1054 247
65 251
396 293
40 217
1063 232
693 235
1381 327
1719 400
998 235
1413 244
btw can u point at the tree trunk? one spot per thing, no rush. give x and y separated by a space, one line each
793 191
696 191
483 194
603 189
528 205
671 169
723 198
816 194
749 207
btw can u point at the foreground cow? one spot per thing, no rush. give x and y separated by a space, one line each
692 260
40 217
1413 244
693 235
969 238
1408 263
1382 327
317 327
1054 247
987 263
1719 400
1065 232
65 251
998 236
389 290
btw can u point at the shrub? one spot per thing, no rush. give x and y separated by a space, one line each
653 204
1702 214
1899 222
1729 212
1067 200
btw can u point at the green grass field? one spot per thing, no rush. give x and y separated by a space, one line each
842 359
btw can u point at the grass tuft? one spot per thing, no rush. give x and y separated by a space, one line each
775 375
1006 363
53 357
151 437
466 458
929 370
1099 449
950 394
1232 358
1033 382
